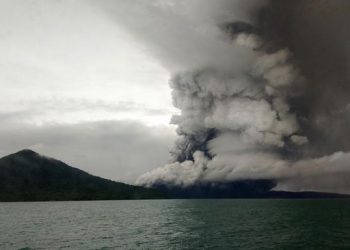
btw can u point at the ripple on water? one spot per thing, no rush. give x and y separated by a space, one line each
176 224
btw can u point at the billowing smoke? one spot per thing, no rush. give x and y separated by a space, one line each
262 88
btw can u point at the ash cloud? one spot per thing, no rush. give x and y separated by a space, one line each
316 31
262 88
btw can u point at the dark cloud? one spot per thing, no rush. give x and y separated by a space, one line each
317 33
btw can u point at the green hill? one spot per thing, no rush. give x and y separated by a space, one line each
28 176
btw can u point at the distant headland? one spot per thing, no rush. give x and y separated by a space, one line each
29 176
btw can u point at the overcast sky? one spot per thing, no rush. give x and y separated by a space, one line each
76 87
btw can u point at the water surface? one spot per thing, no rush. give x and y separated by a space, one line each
176 224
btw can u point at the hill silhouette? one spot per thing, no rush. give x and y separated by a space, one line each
28 176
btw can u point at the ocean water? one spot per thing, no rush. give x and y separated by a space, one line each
176 224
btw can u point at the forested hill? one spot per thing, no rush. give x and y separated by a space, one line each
28 176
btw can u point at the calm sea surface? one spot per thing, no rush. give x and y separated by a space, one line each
176 224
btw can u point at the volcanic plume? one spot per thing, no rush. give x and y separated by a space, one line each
262 88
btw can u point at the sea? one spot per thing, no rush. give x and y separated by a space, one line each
176 224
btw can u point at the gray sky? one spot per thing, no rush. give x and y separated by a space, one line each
76 87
